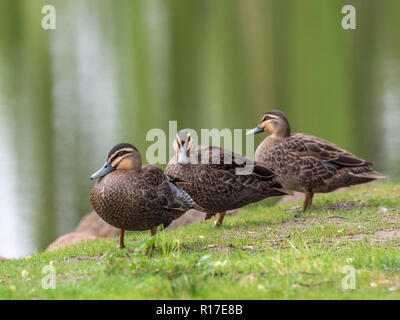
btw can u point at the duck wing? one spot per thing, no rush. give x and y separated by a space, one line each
169 194
328 153
180 199
313 162
240 171
222 159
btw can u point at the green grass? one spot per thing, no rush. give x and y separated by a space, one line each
259 253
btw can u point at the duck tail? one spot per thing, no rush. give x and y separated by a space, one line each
197 207
278 190
181 198
281 192
373 175
284 192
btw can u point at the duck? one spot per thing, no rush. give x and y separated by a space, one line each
306 163
219 180
135 197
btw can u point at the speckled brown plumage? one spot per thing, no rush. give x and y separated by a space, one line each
214 183
306 163
135 200
130 196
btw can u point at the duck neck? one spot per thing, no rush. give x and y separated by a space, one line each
280 135
273 139
282 131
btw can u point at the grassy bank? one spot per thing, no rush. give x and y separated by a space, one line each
259 253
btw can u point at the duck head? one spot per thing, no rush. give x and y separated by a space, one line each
183 146
123 156
274 122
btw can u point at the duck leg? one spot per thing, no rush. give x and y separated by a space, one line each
307 203
153 231
121 239
220 219
308 198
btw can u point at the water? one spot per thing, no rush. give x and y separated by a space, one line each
112 71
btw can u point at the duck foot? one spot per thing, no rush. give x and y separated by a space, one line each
306 204
293 209
298 214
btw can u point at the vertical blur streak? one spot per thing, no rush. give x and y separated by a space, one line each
36 106
31 114
85 94
256 24
387 99
113 70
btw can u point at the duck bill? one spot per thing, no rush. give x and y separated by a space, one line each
256 130
182 155
106 169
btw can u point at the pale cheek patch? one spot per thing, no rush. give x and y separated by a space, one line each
125 164
267 126
118 162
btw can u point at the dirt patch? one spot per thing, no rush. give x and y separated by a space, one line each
347 206
387 234
378 236
295 223
220 248
351 205
390 219
82 259
226 248
313 222
245 234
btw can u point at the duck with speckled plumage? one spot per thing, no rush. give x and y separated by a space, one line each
136 197
305 163
217 179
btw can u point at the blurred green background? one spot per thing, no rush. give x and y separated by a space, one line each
112 70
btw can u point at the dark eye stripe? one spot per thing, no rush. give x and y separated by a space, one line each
119 154
265 118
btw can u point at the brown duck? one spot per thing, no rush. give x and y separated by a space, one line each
219 180
306 163
130 196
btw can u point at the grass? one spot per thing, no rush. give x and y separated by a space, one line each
259 253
